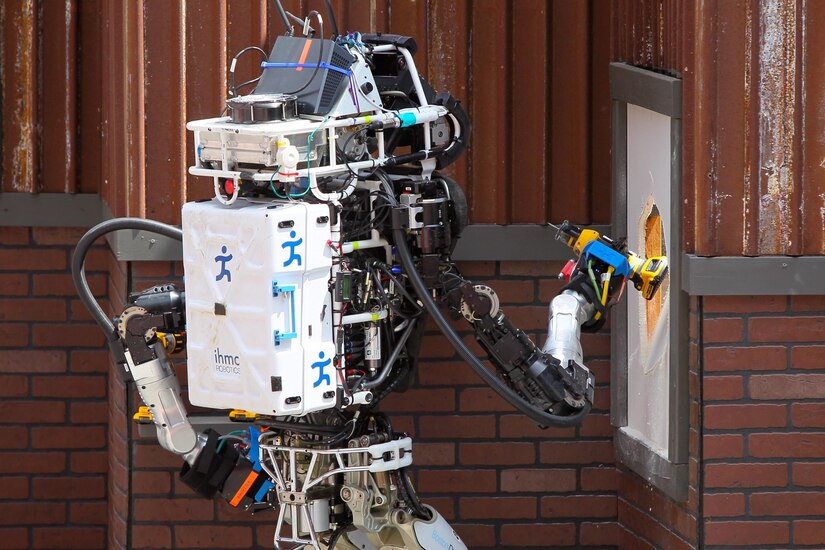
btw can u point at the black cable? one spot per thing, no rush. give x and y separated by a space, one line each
282 13
320 55
233 90
537 415
85 243
333 540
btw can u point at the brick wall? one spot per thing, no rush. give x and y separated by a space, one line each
53 407
764 421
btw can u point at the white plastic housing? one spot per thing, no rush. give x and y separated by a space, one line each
258 307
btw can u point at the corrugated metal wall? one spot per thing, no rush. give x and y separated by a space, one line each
754 113
531 74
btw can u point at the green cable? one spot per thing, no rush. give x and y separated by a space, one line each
593 279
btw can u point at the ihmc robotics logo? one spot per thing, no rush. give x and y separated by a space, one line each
223 259
227 364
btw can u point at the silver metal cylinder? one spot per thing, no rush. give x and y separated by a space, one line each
568 311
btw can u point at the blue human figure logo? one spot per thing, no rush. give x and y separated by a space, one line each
223 259
292 245
320 366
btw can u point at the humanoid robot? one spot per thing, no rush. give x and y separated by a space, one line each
308 279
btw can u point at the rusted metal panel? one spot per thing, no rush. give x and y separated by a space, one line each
409 17
570 143
599 186
649 33
489 110
449 32
19 95
58 120
165 108
134 153
813 129
90 99
205 76
530 133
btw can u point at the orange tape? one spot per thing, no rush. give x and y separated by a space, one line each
304 54
250 479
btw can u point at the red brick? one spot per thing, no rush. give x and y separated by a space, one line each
15 538
58 235
787 386
436 348
541 535
498 508
458 481
78 335
529 268
723 505
745 359
577 452
152 270
33 259
579 506
512 292
744 304
745 416
599 533
457 427
725 329
786 329
31 513
746 533
68 488
597 425
89 412
549 288
809 532
89 361
434 454
793 503
32 412
599 479
546 480
787 445
418 400
14 488
32 309
529 318
209 536
61 284
14 437
746 475
72 437
518 426
14 386
476 535
807 303
69 386
483 400
496 453
70 537
173 509
89 462
723 388
153 536
14 284
722 446
809 474
14 235
14 335
808 357
808 415
446 373
477 269
32 361
89 513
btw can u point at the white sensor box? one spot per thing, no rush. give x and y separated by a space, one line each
258 306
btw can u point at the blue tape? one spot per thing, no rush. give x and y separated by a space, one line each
601 251
407 119
322 65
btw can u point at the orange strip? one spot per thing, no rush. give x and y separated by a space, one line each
304 54
250 479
